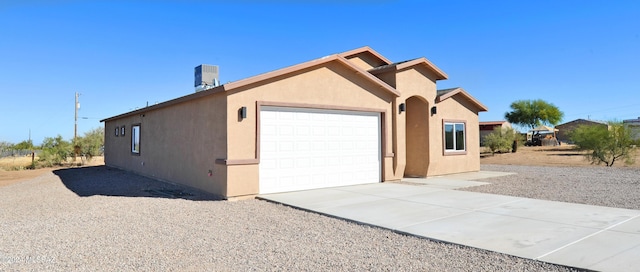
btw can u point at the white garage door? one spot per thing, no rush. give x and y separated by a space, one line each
306 149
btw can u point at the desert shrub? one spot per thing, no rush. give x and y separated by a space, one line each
501 140
24 145
606 145
5 146
90 145
55 151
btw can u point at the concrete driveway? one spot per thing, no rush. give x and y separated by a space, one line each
576 235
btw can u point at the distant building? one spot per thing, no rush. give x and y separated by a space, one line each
489 126
634 126
564 130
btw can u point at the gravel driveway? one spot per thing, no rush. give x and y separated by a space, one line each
596 185
96 218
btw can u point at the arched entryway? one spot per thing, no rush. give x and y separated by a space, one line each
417 137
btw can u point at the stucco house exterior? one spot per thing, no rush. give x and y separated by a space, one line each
349 118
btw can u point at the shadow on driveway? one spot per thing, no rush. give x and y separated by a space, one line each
107 181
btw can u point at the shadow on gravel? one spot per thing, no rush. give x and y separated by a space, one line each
107 181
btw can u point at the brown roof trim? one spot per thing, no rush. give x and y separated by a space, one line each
459 91
169 103
363 49
409 63
368 76
259 78
491 123
584 120
423 61
309 64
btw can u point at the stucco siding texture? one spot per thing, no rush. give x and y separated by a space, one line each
454 109
418 91
327 87
365 61
178 144
202 140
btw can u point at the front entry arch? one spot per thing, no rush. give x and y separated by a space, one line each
417 137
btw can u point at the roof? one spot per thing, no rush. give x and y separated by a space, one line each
340 58
445 94
367 50
492 123
582 121
337 58
386 67
317 62
544 128
409 64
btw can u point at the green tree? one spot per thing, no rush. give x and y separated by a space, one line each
90 145
532 113
606 145
24 145
55 151
501 140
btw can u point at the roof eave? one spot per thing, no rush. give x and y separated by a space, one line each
262 77
460 91
440 75
168 103
338 58
363 50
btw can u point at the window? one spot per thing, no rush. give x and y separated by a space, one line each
117 130
122 131
454 137
135 139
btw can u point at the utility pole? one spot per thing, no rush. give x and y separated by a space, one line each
75 126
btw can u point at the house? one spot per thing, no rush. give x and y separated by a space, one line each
634 126
487 127
564 130
344 119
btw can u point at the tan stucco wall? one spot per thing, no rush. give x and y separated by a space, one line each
333 86
454 109
417 138
419 84
178 143
365 61
181 143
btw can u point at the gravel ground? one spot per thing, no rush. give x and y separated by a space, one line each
597 185
96 218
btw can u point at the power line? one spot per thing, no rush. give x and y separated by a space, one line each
605 110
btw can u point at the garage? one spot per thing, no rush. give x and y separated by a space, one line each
302 148
344 119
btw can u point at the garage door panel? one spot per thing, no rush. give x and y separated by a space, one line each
317 148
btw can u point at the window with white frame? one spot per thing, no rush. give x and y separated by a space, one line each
135 139
454 137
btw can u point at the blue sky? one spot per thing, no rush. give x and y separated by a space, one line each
582 56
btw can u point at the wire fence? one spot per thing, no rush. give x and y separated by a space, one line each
18 153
